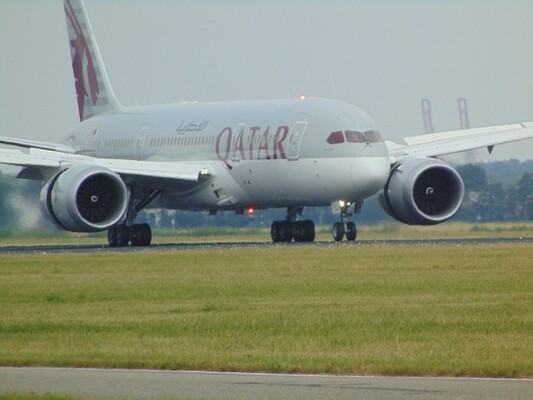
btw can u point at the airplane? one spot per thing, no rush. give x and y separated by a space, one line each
288 153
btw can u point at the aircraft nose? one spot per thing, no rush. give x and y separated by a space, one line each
369 174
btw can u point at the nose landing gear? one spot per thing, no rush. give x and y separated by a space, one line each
344 227
349 229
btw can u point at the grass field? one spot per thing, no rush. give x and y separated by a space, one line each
400 310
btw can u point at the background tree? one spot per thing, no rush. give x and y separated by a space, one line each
6 213
524 193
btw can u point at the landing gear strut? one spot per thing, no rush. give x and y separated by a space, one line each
121 235
290 228
344 227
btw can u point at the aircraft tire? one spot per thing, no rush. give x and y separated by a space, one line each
306 230
123 235
275 231
285 232
141 235
118 236
338 231
351 231
298 231
112 236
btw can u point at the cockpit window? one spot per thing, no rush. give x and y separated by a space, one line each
355 137
336 137
373 137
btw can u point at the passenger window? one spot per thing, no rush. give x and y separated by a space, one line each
336 138
355 137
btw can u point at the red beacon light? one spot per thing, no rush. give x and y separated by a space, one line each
250 210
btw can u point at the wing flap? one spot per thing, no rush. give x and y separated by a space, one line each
444 143
28 144
29 158
179 170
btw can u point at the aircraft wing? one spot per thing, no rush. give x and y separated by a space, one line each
27 144
450 142
177 173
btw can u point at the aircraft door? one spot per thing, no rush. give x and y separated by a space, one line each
295 139
139 147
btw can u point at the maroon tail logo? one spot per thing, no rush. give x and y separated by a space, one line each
82 63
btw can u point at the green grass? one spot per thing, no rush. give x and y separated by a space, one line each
432 310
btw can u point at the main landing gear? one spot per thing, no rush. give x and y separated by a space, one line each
344 227
121 235
290 228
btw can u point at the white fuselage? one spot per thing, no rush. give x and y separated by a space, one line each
262 153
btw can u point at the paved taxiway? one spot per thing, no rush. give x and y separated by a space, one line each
144 384
51 249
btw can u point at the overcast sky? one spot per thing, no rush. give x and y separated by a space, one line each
383 56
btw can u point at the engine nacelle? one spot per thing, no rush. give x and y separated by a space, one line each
85 198
423 191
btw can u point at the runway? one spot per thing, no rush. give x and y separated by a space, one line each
52 249
149 384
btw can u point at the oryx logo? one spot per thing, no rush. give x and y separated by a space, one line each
82 62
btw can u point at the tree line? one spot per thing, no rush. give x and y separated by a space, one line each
509 199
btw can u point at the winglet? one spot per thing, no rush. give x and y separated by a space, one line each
93 89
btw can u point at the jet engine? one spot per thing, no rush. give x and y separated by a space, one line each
85 198
423 191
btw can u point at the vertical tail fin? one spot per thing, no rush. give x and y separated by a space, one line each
93 89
